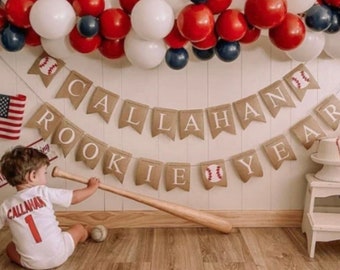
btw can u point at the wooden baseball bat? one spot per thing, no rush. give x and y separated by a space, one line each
196 216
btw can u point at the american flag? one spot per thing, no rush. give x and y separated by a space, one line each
11 116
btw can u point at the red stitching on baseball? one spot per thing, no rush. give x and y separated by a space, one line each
209 173
304 75
296 81
51 68
218 169
44 62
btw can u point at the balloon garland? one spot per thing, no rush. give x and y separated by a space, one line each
148 32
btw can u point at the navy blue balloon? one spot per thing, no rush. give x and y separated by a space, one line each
318 17
13 38
335 22
227 51
199 1
176 58
203 54
88 26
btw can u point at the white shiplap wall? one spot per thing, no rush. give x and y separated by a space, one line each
200 85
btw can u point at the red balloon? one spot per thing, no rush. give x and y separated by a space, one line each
3 19
84 44
333 3
217 6
208 43
112 49
252 34
289 34
114 23
265 13
195 22
174 39
32 38
231 25
88 7
18 12
127 5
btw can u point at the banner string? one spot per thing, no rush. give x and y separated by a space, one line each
21 79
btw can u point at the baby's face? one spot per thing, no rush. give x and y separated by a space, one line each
39 177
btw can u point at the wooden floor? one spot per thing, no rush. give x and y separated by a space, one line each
196 249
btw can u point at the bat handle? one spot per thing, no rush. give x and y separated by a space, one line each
56 172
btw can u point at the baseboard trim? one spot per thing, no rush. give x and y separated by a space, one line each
154 219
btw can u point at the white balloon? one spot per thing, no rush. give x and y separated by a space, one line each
58 48
146 54
52 19
332 47
310 48
152 19
299 6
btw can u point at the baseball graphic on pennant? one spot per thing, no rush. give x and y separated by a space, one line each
300 79
214 173
48 65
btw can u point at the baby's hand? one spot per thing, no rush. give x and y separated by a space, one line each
93 182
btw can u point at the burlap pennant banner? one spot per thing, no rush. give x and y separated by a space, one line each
75 88
307 131
164 121
275 97
191 123
102 102
248 110
46 119
177 175
49 120
46 67
66 136
213 173
90 151
149 172
329 111
300 80
247 165
116 162
278 150
133 114
220 118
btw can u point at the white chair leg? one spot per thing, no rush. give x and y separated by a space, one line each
311 243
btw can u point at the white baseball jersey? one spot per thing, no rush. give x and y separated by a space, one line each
35 230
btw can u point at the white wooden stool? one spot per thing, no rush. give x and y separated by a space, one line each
320 226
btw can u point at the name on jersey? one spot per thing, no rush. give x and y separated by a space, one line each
25 207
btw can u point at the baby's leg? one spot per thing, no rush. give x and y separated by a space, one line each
12 253
79 233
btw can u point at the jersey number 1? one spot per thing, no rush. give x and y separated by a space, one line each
31 224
